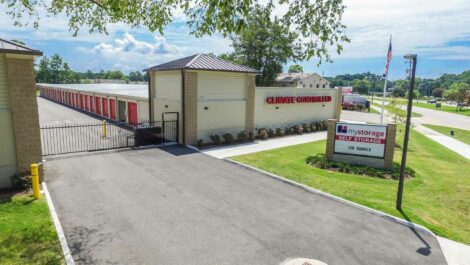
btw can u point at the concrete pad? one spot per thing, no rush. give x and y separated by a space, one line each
456 253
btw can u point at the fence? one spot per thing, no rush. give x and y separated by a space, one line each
73 138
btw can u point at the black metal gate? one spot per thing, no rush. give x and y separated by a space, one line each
72 138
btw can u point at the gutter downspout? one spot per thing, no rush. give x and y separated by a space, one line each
183 104
150 97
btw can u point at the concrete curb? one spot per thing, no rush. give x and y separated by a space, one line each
58 227
386 216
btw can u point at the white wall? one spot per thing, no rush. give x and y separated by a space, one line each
221 104
267 116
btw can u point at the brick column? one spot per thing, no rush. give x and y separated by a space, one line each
338 102
190 108
390 145
250 103
24 110
330 142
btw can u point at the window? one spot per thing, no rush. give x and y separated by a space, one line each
310 85
323 85
303 85
318 86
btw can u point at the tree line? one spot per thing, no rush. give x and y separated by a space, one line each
55 70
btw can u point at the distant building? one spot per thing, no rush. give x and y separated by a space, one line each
302 80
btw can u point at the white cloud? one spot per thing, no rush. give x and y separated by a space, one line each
413 24
128 53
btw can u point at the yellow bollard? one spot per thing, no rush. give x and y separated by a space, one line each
104 128
35 181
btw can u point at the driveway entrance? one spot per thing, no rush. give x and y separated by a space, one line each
174 206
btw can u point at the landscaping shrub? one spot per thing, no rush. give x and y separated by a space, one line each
280 132
21 182
290 130
228 138
307 128
242 136
271 133
320 161
200 142
215 138
298 129
263 133
313 126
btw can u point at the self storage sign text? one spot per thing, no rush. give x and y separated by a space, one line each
298 99
360 139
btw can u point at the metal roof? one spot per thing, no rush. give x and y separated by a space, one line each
202 62
11 47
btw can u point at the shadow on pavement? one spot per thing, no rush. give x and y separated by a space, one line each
426 250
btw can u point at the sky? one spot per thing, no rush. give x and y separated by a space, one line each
438 31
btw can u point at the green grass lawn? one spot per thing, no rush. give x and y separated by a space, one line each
459 134
438 197
413 114
27 235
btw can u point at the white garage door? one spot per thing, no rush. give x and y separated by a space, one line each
7 142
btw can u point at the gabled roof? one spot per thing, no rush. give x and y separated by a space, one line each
292 77
202 62
11 47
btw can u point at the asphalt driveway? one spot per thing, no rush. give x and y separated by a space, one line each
175 206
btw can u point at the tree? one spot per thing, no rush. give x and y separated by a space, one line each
295 68
398 92
55 67
136 76
318 24
42 74
265 44
361 86
458 92
395 108
18 42
438 92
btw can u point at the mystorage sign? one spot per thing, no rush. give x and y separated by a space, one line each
360 139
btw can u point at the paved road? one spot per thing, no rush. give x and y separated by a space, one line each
437 117
51 113
175 206
77 130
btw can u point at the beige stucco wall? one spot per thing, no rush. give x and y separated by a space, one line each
281 115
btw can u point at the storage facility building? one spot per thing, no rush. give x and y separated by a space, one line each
110 101
208 96
214 96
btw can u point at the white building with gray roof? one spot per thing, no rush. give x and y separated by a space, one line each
302 80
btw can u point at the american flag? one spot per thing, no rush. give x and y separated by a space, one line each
389 57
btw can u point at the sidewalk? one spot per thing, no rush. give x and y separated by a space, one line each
457 146
455 253
262 145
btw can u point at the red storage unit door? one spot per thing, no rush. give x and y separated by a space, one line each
132 111
77 104
82 102
105 108
112 107
92 109
98 105
87 103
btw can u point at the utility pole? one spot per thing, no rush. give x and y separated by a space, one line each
401 181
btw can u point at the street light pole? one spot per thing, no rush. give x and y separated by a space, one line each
401 181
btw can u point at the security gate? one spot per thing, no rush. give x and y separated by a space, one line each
72 138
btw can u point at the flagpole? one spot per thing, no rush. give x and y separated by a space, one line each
383 99
385 85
